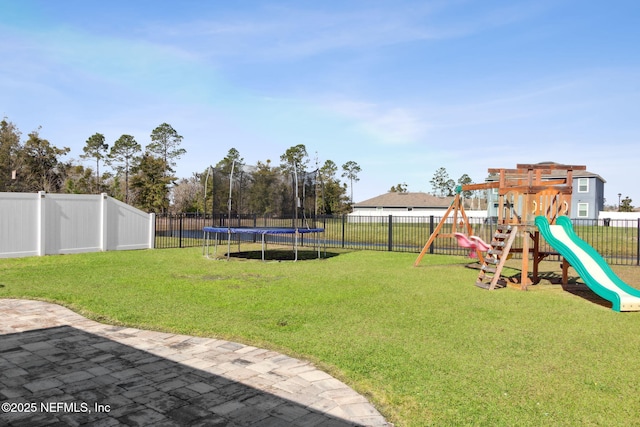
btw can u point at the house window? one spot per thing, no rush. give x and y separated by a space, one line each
583 185
583 210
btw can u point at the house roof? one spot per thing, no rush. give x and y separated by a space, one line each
587 174
404 200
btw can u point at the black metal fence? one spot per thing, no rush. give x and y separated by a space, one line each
616 240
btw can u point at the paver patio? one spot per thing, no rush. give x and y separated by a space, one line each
59 368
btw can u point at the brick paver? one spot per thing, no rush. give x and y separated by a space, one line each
57 367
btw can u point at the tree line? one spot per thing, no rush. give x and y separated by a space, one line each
145 177
266 188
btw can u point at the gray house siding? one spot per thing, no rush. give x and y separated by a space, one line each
588 197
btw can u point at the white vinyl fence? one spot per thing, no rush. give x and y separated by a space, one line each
33 224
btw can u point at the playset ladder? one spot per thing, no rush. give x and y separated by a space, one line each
496 256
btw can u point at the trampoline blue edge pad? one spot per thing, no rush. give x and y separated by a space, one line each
262 230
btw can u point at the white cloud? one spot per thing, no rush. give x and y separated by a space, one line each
284 33
387 125
293 32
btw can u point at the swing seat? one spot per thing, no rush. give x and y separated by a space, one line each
481 245
471 242
464 241
474 243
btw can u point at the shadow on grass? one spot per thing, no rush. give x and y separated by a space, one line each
282 255
509 275
574 287
513 276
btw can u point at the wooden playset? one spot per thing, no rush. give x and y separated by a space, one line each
523 193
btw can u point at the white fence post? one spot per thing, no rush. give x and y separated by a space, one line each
42 232
104 223
152 230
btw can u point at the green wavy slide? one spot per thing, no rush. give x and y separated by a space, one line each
589 264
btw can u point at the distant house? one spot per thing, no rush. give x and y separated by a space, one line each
396 202
587 199
405 204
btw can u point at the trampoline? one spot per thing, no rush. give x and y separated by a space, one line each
262 231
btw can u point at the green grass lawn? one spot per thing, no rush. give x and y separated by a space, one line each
424 344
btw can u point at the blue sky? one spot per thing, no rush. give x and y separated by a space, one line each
400 87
